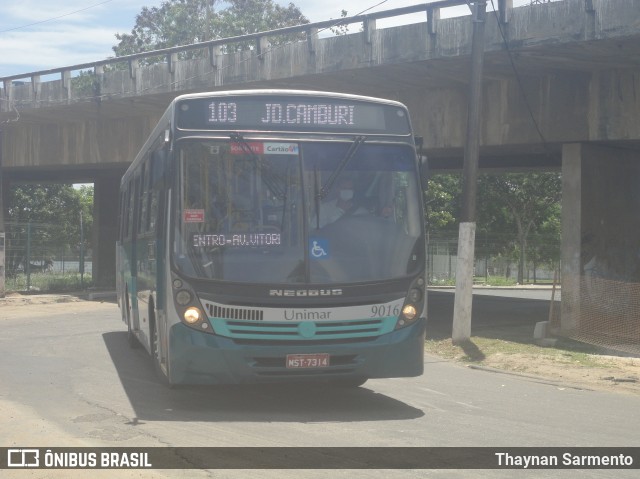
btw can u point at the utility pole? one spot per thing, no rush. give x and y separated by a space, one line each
467 232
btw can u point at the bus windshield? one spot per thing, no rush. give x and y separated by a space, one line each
297 212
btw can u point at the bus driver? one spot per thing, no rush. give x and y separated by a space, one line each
331 211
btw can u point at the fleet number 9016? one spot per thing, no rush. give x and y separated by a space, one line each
384 310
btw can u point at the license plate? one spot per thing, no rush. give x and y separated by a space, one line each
307 361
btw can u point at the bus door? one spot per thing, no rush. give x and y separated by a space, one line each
144 247
131 252
148 252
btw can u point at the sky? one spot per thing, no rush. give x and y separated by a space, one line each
43 34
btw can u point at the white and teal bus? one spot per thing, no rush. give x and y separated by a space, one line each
275 235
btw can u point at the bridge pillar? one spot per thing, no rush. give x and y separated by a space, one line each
105 228
600 252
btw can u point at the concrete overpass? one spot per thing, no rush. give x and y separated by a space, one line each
561 90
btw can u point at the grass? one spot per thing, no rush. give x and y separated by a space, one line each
495 281
494 343
488 281
49 282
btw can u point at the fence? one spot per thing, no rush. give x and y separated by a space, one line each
492 264
42 257
601 311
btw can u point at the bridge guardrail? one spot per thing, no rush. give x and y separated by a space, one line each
214 47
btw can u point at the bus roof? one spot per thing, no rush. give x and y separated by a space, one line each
289 92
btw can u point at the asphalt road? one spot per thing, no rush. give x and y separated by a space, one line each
68 378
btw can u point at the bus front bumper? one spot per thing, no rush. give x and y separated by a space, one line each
200 358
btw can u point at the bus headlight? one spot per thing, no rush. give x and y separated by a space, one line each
188 306
192 315
409 311
413 304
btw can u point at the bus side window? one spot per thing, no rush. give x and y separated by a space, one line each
147 200
150 198
142 204
134 189
128 211
121 207
156 166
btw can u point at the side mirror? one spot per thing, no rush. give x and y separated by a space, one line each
423 164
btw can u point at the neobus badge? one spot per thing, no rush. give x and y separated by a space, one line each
305 292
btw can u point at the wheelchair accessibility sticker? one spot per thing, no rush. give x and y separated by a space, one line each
319 248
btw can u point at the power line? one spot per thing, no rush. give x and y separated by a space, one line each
518 78
55 18
205 74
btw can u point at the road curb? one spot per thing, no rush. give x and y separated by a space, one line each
538 379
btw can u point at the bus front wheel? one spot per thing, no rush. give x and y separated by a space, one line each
155 353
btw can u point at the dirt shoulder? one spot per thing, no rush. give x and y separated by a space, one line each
610 373
17 305
568 363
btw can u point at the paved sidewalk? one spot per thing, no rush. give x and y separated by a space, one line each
20 298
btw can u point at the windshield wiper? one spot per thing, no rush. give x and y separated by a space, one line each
267 176
270 179
351 152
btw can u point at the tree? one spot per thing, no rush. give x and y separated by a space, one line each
340 28
546 240
183 22
49 217
527 201
442 202
86 84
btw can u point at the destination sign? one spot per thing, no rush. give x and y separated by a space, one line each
291 113
253 239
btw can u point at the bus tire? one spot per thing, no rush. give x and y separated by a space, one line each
155 354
